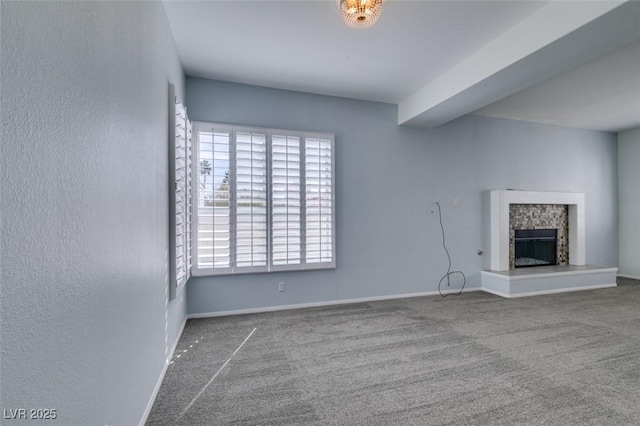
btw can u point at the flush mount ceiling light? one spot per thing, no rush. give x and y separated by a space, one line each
360 13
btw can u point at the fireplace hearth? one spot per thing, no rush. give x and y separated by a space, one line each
505 280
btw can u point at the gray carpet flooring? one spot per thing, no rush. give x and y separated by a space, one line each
476 359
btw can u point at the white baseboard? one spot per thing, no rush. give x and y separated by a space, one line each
633 277
156 389
320 304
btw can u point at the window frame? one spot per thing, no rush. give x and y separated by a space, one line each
233 269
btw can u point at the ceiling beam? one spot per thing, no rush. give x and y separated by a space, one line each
554 39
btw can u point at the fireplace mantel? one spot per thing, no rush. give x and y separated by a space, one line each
500 201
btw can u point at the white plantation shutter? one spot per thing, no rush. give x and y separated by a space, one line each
286 200
213 219
265 200
180 194
189 195
319 199
251 200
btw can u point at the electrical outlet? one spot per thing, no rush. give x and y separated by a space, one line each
281 286
456 202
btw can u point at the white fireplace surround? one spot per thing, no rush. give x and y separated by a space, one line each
500 201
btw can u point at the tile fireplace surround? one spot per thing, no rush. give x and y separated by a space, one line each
500 202
504 281
540 216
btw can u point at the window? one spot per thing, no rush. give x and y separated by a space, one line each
180 158
265 200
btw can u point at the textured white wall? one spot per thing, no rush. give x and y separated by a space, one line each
629 202
86 322
387 179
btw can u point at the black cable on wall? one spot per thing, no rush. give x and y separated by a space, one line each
449 273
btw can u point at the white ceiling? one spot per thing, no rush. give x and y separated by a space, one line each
602 94
566 63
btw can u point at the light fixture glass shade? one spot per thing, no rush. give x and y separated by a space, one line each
360 13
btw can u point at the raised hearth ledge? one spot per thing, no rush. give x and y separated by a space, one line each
547 280
500 201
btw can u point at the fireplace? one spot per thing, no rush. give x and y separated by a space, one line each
570 276
501 231
535 247
537 226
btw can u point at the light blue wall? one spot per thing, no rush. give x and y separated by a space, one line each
86 321
388 177
629 195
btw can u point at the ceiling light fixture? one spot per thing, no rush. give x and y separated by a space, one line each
360 13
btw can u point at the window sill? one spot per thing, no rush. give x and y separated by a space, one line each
211 273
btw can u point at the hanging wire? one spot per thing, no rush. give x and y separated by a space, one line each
449 273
